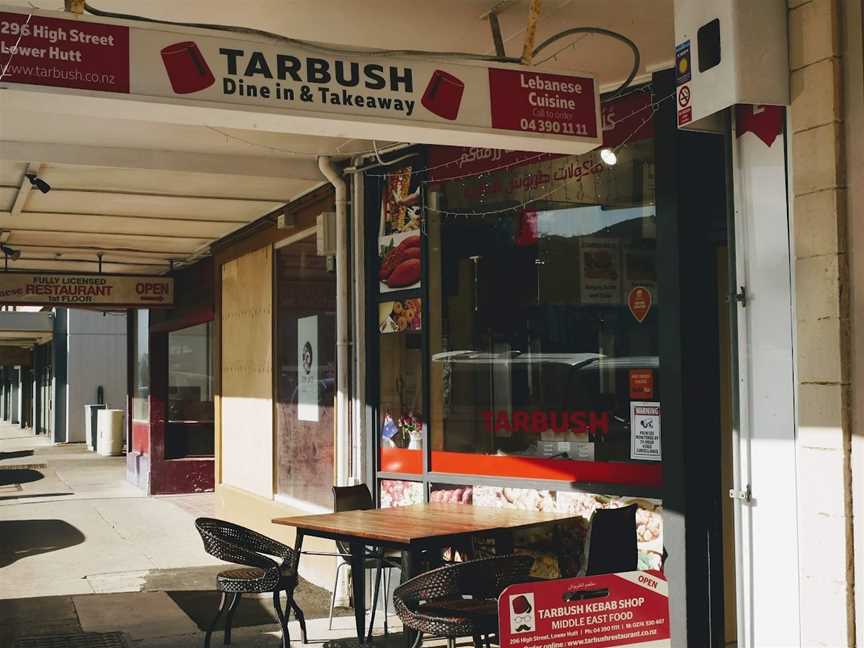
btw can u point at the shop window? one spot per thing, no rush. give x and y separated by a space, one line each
401 397
544 297
190 392
141 367
401 384
306 374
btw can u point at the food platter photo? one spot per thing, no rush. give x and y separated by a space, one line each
399 316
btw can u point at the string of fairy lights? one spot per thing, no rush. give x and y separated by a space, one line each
530 195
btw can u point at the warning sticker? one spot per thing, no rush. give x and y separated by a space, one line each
684 99
645 430
641 384
682 63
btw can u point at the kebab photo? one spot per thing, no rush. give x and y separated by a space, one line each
400 263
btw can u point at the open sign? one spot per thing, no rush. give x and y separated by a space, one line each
85 290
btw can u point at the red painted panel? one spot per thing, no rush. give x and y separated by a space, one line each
141 436
177 476
605 472
402 460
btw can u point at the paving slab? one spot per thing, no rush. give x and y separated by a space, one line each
44 615
142 615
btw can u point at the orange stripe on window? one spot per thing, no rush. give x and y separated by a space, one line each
604 472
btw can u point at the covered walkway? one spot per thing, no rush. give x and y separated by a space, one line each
82 550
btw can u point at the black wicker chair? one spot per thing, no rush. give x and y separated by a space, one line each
435 603
258 573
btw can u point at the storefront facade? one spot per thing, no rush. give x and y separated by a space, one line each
170 429
673 327
507 359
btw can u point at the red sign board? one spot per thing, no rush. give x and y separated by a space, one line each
639 302
625 120
628 609
542 103
628 119
766 122
641 384
64 53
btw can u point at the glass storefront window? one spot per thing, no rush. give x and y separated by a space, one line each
306 374
401 398
543 303
190 392
141 368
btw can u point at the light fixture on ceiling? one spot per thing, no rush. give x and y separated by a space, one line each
38 183
9 252
608 156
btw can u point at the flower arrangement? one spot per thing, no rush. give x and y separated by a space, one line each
404 432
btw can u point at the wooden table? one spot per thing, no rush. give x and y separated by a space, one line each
412 529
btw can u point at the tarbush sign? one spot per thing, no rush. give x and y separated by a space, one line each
82 290
629 609
310 90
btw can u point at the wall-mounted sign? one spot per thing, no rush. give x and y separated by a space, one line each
324 92
600 271
626 609
307 368
641 384
645 431
82 290
639 302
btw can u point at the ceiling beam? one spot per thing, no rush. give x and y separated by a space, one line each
50 260
106 249
24 188
112 193
19 231
130 158
160 221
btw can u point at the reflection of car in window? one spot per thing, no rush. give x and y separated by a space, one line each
512 401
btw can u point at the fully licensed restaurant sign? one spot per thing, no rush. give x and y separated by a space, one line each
627 609
315 90
83 290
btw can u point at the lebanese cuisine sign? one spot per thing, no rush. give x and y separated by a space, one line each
421 100
37 289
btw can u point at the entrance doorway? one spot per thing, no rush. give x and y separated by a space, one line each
305 286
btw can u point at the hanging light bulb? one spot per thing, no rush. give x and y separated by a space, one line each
608 156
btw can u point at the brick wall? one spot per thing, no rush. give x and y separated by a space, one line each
822 317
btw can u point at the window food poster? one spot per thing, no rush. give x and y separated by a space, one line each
307 368
399 265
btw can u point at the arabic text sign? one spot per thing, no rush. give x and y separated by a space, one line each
627 609
85 290
485 103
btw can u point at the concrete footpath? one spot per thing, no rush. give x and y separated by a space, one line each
84 551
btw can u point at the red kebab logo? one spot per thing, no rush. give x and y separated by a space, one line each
187 70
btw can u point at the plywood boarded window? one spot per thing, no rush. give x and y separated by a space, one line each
247 378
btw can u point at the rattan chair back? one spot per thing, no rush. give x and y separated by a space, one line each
479 579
